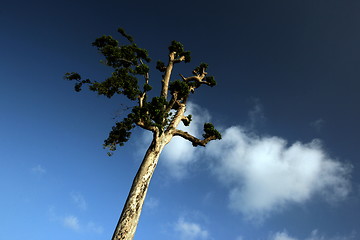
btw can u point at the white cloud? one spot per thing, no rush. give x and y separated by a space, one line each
190 231
265 174
282 236
179 153
72 222
79 200
39 170
315 235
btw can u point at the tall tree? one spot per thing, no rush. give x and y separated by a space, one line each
161 115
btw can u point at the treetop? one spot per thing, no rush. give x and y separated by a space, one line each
159 115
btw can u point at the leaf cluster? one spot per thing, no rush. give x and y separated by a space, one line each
201 69
181 88
152 114
121 82
128 63
209 131
76 77
117 55
186 121
119 134
178 48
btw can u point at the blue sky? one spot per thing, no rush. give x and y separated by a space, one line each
286 103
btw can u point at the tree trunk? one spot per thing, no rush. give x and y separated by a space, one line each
126 227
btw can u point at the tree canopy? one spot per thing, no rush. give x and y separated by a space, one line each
130 77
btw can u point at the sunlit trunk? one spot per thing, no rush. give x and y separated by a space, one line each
126 227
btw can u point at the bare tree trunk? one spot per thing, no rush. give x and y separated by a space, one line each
126 227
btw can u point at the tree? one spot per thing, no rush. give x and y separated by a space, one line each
161 115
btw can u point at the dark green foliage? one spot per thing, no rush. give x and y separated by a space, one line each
141 69
127 61
180 87
210 80
123 33
157 111
119 134
187 56
187 121
200 69
75 76
160 66
147 87
120 56
72 76
209 131
178 48
121 82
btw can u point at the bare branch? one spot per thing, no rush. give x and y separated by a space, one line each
180 59
166 76
196 78
195 141
145 126
172 102
143 95
186 120
176 119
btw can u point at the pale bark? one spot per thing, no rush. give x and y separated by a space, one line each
166 78
126 227
129 218
195 141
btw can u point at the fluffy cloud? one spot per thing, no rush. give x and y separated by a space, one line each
73 223
313 236
282 236
265 173
179 153
190 231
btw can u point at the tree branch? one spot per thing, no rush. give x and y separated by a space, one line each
145 126
166 78
195 141
143 95
180 59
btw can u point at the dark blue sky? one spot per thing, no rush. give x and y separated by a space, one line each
287 73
